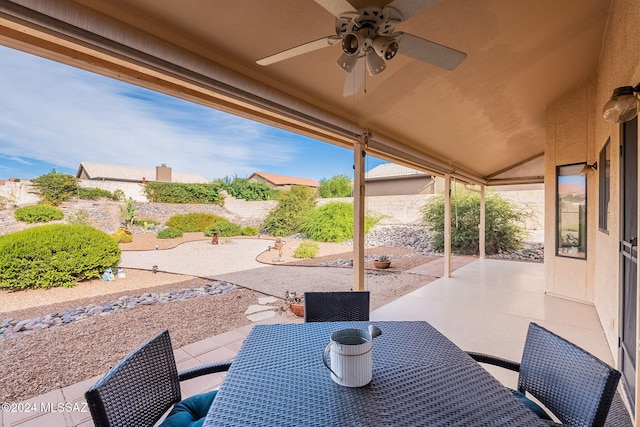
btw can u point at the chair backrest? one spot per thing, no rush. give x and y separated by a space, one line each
139 389
336 306
574 385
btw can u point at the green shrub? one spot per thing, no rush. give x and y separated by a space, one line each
38 213
250 231
55 255
306 250
122 236
293 206
80 217
333 222
169 233
173 192
502 219
194 221
338 186
242 188
54 188
225 228
95 194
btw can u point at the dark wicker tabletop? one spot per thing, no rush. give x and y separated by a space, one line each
419 378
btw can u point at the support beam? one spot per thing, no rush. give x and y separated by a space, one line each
358 212
482 226
447 225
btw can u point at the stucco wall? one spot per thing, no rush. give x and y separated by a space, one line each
569 134
576 132
619 66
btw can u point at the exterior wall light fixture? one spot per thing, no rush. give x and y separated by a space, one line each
587 168
623 105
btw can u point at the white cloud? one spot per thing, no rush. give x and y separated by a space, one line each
60 115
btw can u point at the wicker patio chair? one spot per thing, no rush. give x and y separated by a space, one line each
144 385
336 306
572 384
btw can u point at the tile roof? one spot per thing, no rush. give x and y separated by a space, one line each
128 173
285 180
392 170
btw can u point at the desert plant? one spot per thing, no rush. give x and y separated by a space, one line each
383 258
54 187
55 255
306 250
122 235
338 186
250 231
293 205
502 218
129 212
333 222
169 233
38 213
79 217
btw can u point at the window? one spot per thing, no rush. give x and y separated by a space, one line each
571 212
604 187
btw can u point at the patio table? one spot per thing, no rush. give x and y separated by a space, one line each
419 378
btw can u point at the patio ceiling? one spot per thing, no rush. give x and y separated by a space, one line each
477 121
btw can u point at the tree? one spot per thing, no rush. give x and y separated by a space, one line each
338 186
55 187
502 223
293 206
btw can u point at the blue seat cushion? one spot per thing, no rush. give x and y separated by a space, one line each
190 412
531 405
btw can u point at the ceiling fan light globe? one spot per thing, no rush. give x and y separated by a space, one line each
386 47
622 107
351 44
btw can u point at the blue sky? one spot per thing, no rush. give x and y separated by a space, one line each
54 116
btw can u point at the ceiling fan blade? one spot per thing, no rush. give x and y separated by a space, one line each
299 50
430 52
409 8
353 81
337 7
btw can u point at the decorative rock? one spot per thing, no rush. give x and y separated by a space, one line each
12 327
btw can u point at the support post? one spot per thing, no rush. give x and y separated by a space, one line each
358 211
447 225
482 227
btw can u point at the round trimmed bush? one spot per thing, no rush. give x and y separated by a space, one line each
225 228
122 236
169 233
306 250
250 231
38 213
55 255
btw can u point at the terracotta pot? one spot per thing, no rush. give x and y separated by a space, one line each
381 264
278 245
297 309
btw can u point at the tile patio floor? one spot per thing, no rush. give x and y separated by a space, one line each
486 306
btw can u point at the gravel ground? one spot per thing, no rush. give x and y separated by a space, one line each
58 357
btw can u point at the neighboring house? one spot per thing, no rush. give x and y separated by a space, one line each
281 182
162 173
390 179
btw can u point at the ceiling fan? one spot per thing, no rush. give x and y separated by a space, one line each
368 40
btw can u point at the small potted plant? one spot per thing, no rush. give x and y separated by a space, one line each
295 303
278 244
382 261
